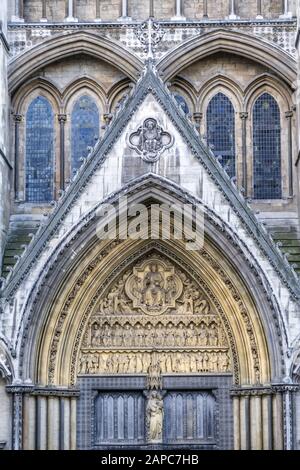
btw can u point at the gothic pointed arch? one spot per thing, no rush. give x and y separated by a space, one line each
57 48
81 289
236 43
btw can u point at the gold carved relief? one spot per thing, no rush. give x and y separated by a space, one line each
154 318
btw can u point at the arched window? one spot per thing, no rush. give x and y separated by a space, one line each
39 151
182 103
221 131
85 129
266 148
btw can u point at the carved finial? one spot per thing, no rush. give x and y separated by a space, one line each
150 34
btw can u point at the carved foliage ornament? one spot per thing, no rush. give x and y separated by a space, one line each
150 140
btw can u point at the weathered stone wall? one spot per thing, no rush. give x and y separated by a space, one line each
4 141
56 10
192 9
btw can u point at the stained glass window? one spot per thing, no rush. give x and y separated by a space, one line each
221 131
85 129
39 151
182 103
267 148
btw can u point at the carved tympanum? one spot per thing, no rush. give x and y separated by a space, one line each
154 320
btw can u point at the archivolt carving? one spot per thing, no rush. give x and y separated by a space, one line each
214 302
154 316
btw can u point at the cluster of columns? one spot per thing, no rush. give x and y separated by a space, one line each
179 10
43 419
263 418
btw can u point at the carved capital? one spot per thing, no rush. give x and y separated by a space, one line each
244 115
62 118
18 118
289 114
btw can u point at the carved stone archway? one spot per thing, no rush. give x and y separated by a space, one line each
64 355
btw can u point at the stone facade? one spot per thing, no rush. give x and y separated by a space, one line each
5 156
143 325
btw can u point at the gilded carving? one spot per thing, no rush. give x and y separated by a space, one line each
154 321
162 362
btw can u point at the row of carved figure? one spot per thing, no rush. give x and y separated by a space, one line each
171 335
141 363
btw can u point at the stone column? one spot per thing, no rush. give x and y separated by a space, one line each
73 410
53 423
71 11
252 418
244 117
62 118
66 440
244 423
256 422
232 15
23 416
124 11
236 423
18 17
17 431
44 12
286 14
259 15
17 120
41 423
178 11
151 8
289 116
98 12
29 422
277 419
205 9
267 422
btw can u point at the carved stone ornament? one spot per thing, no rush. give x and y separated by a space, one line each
155 417
153 287
154 320
150 140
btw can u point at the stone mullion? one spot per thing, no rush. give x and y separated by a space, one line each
62 118
289 116
244 117
17 120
